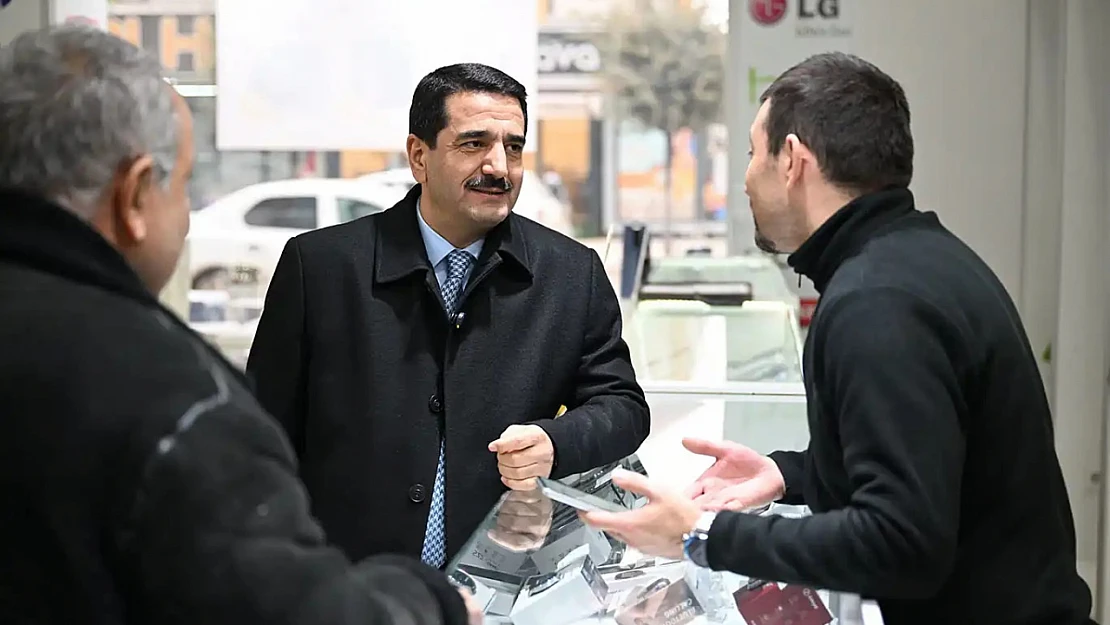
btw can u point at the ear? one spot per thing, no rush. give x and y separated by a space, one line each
132 198
417 152
794 155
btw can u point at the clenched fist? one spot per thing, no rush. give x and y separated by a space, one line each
524 452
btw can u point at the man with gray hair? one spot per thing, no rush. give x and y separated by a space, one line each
140 481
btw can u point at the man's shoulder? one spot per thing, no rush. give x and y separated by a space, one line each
105 363
76 323
922 261
138 349
81 315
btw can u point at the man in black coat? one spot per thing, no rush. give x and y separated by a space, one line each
418 358
140 482
931 469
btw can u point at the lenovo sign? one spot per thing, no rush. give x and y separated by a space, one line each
564 53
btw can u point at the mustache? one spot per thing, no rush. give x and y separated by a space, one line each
486 182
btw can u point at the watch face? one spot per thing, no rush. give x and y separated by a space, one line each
695 549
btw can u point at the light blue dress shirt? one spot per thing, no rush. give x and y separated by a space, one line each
438 248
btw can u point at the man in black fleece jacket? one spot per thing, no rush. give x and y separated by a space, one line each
931 470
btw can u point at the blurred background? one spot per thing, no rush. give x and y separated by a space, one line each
640 111
628 102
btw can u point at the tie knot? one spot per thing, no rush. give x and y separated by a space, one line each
458 262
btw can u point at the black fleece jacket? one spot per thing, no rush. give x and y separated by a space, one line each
931 469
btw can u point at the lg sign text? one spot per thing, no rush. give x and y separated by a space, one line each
813 18
826 9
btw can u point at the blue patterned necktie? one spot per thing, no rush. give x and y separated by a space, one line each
435 538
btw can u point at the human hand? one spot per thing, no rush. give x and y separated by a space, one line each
656 528
523 521
740 478
524 452
474 613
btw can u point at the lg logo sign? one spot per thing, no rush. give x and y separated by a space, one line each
771 12
827 9
767 12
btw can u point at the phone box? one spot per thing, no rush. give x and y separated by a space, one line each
662 602
622 577
486 553
495 590
772 604
573 593
554 555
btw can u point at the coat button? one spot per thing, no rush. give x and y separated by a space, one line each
417 493
435 404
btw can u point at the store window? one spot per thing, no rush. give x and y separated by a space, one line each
185 62
297 213
186 25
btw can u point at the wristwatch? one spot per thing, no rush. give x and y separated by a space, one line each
695 543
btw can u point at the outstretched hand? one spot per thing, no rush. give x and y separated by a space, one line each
657 527
739 479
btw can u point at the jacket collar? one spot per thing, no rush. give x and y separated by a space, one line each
40 234
401 249
845 233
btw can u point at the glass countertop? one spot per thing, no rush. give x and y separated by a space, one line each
674 340
533 562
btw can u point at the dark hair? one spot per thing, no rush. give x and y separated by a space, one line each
854 118
428 113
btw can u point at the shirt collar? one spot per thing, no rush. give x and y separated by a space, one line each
438 247
399 250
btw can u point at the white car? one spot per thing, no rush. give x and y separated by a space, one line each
535 201
238 239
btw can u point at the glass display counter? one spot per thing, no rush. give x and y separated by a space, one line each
533 562
672 341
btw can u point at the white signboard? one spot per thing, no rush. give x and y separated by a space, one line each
777 34
89 12
339 74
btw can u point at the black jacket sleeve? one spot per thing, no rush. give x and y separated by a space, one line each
608 417
220 533
792 465
277 356
887 374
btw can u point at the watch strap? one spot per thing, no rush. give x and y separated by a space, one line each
695 543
